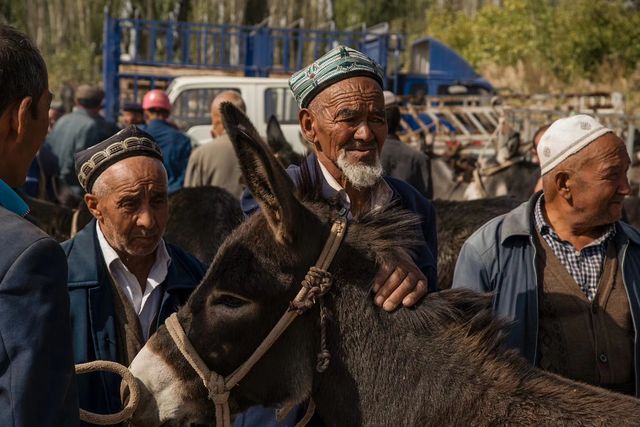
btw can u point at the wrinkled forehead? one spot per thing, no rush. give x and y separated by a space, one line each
607 152
358 92
135 170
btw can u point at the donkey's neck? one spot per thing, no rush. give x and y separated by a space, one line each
387 370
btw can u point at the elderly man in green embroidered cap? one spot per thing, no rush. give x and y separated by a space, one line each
343 117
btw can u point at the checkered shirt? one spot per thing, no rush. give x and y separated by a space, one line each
585 266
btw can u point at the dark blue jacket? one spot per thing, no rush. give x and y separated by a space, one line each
37 381
176 149
425 255
500 258
93 315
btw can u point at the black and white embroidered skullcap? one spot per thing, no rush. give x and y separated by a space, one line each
129 142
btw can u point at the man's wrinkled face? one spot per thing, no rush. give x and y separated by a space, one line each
133 210
350 127
601 184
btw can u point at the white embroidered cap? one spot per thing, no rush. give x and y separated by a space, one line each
565 137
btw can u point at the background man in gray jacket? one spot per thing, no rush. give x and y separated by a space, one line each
562 267
215 162
37 382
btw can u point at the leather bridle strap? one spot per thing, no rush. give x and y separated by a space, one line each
218 386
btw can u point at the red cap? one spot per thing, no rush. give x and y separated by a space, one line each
156 99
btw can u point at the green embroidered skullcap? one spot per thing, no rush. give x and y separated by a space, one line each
338 64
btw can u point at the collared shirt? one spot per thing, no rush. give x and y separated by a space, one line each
585 266
381 193
147 304
10 200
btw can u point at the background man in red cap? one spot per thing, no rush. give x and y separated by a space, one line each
175 146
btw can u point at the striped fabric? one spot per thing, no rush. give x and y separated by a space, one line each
338 64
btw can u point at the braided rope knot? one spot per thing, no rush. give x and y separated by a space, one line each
218 392
219 398
317 282
323 360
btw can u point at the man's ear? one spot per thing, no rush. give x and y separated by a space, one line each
307 126
92 204
564 181
21 117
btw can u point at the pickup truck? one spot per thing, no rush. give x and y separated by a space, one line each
191 99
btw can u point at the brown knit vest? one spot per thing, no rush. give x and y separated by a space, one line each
130 338
582 340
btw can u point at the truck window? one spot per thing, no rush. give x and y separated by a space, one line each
193 107
280 102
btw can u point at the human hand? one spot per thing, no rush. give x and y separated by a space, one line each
399 281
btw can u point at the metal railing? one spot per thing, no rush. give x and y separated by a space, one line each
139 49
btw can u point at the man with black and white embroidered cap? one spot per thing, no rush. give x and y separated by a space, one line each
562 266
342 116
124 280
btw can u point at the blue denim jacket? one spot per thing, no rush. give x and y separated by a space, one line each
500 258
176 149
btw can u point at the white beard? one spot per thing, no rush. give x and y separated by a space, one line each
360 175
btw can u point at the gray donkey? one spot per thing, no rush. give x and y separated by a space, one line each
441 363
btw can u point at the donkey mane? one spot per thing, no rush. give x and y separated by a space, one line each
380 234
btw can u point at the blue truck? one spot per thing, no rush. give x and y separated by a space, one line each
139 55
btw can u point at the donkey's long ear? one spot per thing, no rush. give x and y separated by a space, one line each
265 177
275 137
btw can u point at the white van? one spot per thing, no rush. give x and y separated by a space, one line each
191 98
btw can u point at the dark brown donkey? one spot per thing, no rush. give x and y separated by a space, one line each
438 364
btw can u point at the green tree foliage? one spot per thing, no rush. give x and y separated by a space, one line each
572 38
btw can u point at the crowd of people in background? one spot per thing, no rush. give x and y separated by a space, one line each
561 266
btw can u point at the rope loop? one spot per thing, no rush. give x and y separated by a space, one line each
127 378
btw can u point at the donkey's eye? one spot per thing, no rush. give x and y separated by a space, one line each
229 301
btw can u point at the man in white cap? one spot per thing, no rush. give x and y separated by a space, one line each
562 267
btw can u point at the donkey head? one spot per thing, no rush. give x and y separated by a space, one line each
255 274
